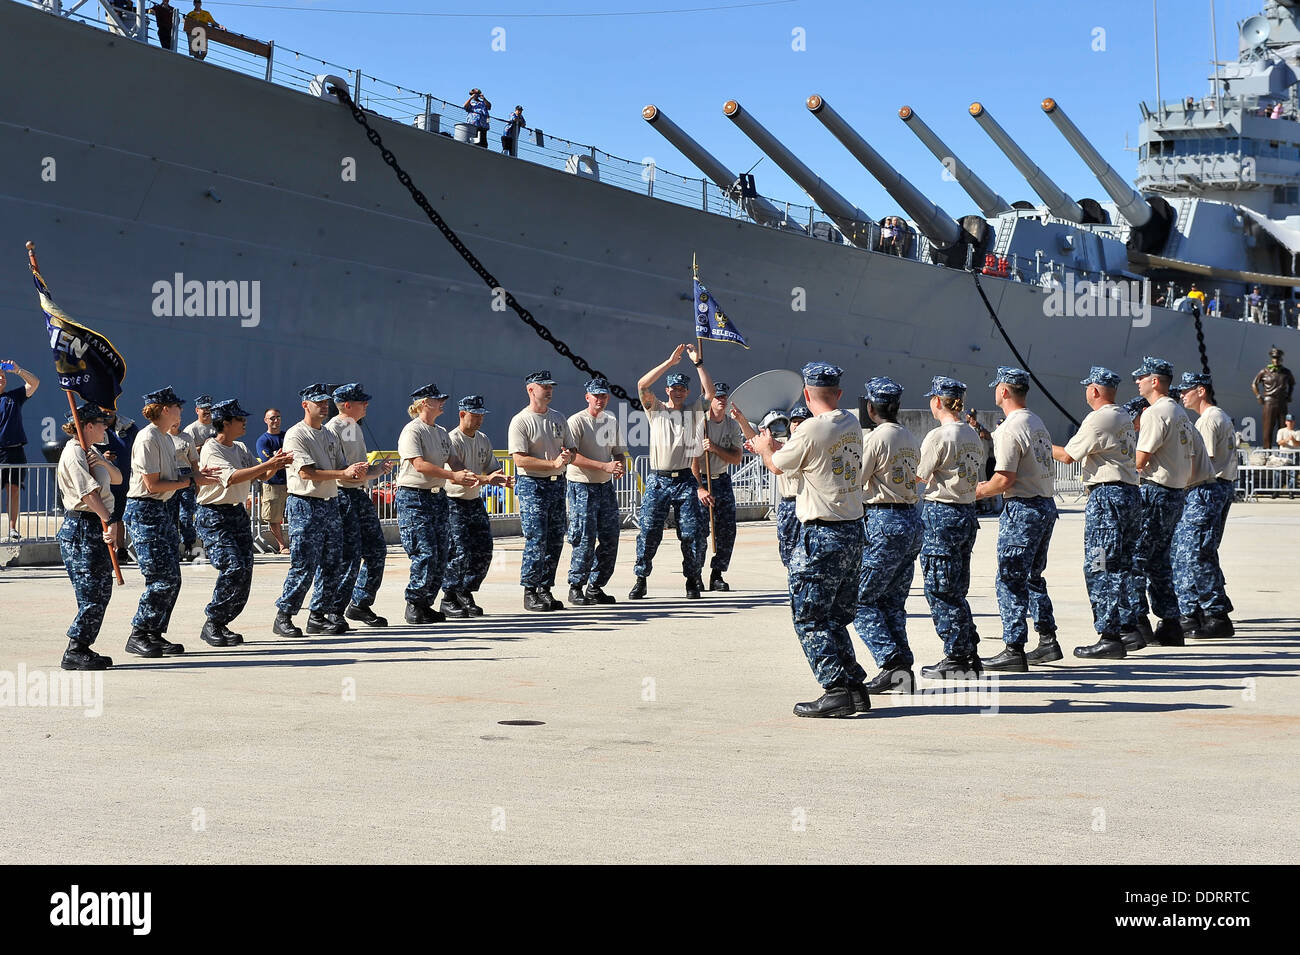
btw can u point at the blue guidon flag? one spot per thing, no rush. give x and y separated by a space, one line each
85 361
710 320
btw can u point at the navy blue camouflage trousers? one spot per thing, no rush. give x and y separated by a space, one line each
314 532
152 525
541 518
1112 521
85 557
228 542
422 522
470 539
787 529
1197 574
362 548
724 523
593 533
678 494
1024 535
1152 557
183 511
892 542
824 567
1229 489
950 531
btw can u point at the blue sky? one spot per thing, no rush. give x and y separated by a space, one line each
587 77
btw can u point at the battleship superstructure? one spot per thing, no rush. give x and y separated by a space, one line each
353 283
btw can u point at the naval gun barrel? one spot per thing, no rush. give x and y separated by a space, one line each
990 203
1058 203
852 221
760 209
1130 203
941 229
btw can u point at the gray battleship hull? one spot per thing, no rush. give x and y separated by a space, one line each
355 284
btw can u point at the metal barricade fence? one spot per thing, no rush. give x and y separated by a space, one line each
1066 480
39 512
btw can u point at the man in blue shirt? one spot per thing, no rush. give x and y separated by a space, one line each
13 440
274 490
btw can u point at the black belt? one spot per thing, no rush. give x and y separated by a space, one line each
1163 487
308 497
673 474
895 507
787 498
534 477
818 522
217 507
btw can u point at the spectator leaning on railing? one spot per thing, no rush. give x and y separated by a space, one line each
13 440
201 16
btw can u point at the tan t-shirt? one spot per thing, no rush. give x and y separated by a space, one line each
538 436
952 460
473 454
229 460
198 433
187 455
76 480
595 438
674 437
352 442
1220 441
1203 471
725 434
1022 446
312 448
1166 434
1104 447
153 452
420 440
826 454
1288 438
889 459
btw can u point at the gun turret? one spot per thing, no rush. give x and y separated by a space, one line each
1130 203
852 221
989 202
758 208
1058 203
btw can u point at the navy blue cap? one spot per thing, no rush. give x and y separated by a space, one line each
677 378
820 374
944 387
542 377
203 401
776 414
1135 406
350 392
315 392
598 386
163 396
225 410
882 388
1194 379
800 413
1176 392
87 413
721 389
474 404
1102 376
429 391
1010 376
1154 366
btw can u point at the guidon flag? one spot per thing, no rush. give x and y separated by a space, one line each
711 321
85 361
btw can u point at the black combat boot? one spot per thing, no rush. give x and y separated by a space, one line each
1108 647
535 601
577 597
467 601
141 643
211 634
232 639
716 582
168 648
836 701
364 615
451 606
1133 640
1144 628
284 625
966 667
638 589
1168 633
893 677
80 656
326 624
416 614
692 588
545 594
861 697
1047 651
1216 625
1011 660
597 596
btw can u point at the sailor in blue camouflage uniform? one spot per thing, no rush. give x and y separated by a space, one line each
826 454
315 529
85 484
723 445
222 520
470 532
1023 475
538 439
594 518
676 438
952 460
1198 579
186 501
780 424
1104 447
362 548
1165 449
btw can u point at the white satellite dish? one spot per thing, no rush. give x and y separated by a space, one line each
1255 31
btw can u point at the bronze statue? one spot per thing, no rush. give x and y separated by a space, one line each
1273 387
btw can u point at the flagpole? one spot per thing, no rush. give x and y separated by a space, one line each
699 350
81 438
